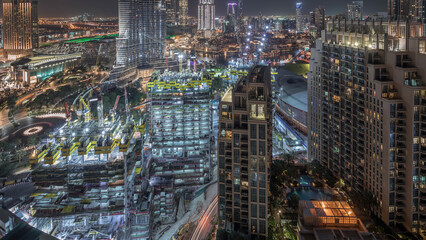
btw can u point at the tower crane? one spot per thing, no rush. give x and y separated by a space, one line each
112 112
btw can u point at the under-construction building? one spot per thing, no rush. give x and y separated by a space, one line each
181 124
86 174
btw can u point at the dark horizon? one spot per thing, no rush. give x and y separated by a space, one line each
108 8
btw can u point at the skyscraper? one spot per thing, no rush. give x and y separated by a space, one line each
398 9
418 10
354 10
183 12
206 17
20 27
172 11
317 20
142 36
367 115
245 152
152 32
299 17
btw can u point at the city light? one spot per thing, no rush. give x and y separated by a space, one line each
205 119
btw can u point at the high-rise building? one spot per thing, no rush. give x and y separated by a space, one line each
299 17
183 12
418 10
206 17
20 27
152 32
172 12
245 154
367 114
181 125
317 20
142 36
398 9
354 10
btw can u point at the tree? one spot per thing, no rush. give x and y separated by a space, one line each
293 202
289 157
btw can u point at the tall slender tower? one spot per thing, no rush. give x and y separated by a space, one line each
299 17
20 27
152 32
206 17
142 36
172 12
245 152
183 12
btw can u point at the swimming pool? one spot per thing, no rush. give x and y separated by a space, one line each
305 181
307 191
310 194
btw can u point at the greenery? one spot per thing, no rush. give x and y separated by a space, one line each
6 167
321 172
274 231
217 84
299 68
135 96
289 231
293 202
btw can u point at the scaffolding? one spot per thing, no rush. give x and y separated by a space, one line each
84 177
181 124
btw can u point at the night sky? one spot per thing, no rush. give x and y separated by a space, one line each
104 8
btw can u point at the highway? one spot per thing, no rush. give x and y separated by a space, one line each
205 226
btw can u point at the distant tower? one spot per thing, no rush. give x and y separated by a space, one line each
172 12
152 32
142 36
20 27
206 17
354 10
299 17
183 12
398 9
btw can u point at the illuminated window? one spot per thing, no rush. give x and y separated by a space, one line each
422 46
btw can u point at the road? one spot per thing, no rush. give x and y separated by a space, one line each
205 226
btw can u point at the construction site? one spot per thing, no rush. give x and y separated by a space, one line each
180 106
89 176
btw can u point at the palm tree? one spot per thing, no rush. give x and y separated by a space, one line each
289 156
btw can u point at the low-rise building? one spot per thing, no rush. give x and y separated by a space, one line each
323 220
36 69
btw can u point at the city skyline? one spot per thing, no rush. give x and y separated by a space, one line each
64 8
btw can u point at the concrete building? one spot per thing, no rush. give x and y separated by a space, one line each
354 10
181 124
20 27
206 17
321 220
245 153
87 176
317 21
367 114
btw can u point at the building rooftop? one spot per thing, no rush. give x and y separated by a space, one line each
324 220
180 81
292 89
